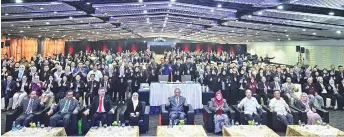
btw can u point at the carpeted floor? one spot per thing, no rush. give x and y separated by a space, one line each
336 120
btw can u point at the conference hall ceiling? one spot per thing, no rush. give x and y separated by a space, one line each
220 21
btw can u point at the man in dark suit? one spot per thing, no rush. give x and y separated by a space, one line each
264 90
78 87
106 83
92 88
31 106
44 75
177 103
177 71
189 68
100 107
339 75
8 89
276 84
64 109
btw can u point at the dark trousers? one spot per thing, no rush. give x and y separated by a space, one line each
24 119
254 117
110 94
60 116
266 97
121 93
98 117
339 98
7 99
89 96
134 121
287 119
241 94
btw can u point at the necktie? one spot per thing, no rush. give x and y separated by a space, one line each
100 104
29 109
277 86
177 100
91 86
65 107
105 85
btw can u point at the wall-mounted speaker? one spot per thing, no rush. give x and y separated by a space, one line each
2 44
298 48
7 42
302 49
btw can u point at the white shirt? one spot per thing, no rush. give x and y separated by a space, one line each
250 105
97 75
22 86
279 106
103 110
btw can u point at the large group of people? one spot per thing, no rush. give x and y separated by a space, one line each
97 79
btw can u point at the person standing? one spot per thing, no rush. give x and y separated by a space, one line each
7 89
92 88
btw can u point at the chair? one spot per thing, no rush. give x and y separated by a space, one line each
72 127
86 120
208 117
14 114
189 112
239 115
143 120
303 114
276 124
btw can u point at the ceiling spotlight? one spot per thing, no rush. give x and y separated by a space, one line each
219 5
173 0
28 27
55 12
314 33
7 14
170 5
41 8
287 35
331 13
249 16
21 31
289 39
47 23
140 0
88 3
97 8
339 32
31 19
260 13
278 39
9 33
70 17
303 29
19 1
39 36
285 30
280 7
212 10
145 11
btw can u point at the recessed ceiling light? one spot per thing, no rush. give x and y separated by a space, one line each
19 1
47 23
331 13
314 33
39 36
219 5
145 11
280 7
28 27
249 16
70 17
303 29
9 33
278 39
55 12
21 31
285 30
289 39
170 5
41 8
260 13
7 14
339 32
173 0
212 10
88 3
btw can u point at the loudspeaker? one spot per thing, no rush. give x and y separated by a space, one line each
302 49
7 42
298 48
2 44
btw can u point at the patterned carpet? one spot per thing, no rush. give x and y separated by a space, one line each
336 120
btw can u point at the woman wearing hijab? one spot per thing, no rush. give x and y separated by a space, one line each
308 106
132 113
220 107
